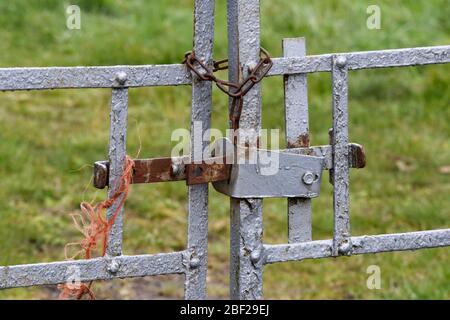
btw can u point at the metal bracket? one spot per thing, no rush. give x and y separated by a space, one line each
295 176
260 173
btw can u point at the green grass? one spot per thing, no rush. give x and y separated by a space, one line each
50 139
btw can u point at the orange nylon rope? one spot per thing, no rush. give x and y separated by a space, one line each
95 227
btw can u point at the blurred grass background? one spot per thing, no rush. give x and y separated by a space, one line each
49 139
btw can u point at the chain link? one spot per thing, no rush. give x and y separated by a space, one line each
235 90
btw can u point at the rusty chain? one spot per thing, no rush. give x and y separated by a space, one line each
235 90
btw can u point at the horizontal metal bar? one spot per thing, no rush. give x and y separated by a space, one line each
360 245
93 77
362 60
177 74
205 172
93 269
145 171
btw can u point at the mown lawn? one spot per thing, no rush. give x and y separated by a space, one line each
49 140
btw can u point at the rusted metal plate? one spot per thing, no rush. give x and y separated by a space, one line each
158 170
145 171
168 169
207 172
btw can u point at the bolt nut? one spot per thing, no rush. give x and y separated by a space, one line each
121 78
194 263
309 178
113 266
341 61
255 256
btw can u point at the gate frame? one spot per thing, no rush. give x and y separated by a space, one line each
191 262
248 252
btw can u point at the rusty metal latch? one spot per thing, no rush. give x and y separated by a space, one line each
298 175
166 170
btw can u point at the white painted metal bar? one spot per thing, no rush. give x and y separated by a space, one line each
340 172
297 136
176 74
195 283
117 153
92 269
363 60
92 77
246 215
360 245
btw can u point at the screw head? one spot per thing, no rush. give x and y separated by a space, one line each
121 77
308 178
113 266
341 61
255 256
345 248
194 263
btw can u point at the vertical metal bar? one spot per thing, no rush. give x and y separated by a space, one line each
246 265
340 173
297 136
117 152
195 282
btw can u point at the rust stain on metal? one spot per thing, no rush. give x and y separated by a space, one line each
145 171
302 142
162 170
154 170
201 173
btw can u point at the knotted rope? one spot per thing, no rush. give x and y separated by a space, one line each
95 227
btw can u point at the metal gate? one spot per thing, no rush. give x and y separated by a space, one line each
248 252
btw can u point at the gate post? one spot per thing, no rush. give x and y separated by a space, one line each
197 251
246 248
